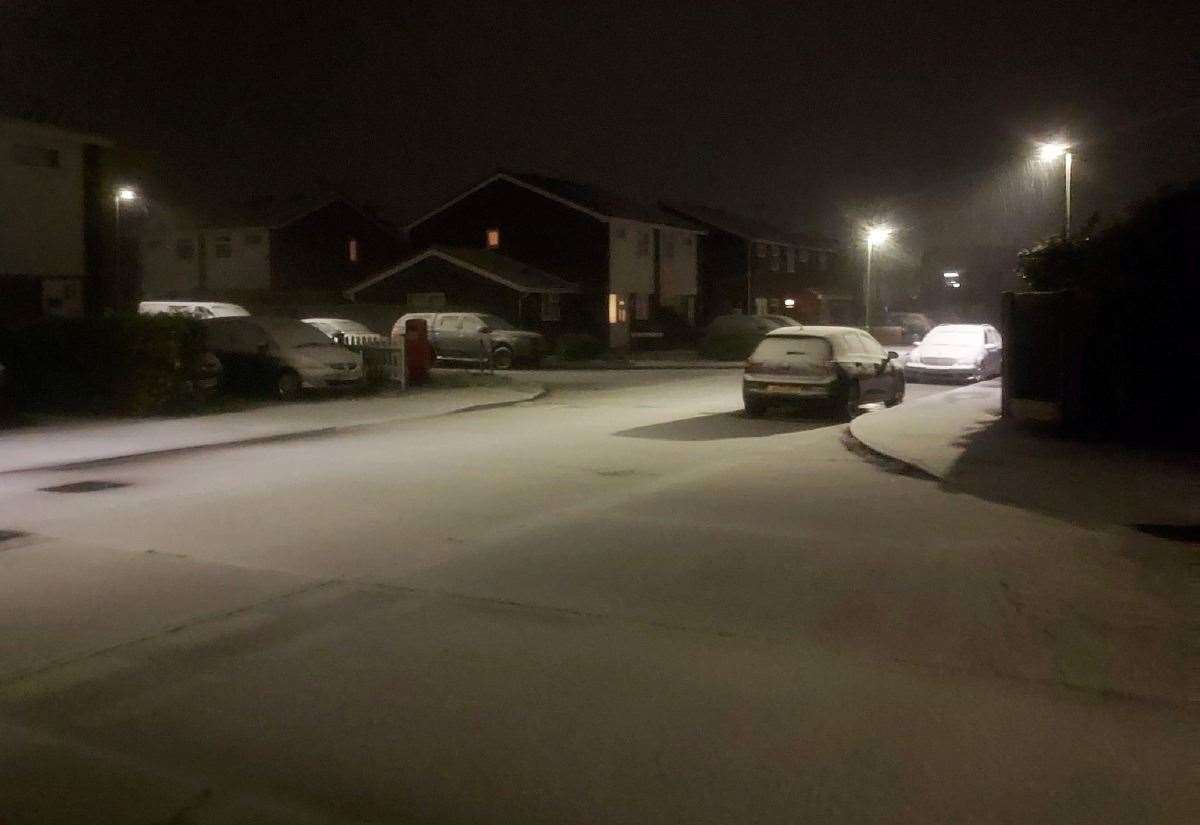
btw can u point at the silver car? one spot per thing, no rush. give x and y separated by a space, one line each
956 352
839 366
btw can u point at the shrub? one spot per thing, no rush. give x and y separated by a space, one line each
124 365
575 347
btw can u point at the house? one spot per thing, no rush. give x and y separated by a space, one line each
314 244
444 277
54 209
630 264
748 264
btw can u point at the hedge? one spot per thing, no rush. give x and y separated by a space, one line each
121 365
735 347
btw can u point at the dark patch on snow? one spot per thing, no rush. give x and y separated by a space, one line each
883 462
615 473
5 535
1173 532
84 487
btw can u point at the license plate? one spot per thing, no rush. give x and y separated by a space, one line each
792 389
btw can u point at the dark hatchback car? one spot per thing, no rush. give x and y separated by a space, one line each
842 367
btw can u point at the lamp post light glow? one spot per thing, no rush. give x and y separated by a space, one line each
1049 152
123 194
875 235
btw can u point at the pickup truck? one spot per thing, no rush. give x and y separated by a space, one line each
477 337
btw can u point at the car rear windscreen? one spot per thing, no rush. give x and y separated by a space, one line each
805 349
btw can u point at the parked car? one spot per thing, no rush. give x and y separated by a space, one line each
733 337
913 325
782 320
196 309
470 336
347 332
281 356
839 366
956 352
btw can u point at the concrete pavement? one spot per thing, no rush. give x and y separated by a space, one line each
620 603
79 441
959 437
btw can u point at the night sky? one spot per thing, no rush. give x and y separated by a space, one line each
807 114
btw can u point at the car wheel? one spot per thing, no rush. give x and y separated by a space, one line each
502 359
287 386
850 401
755 407
897 392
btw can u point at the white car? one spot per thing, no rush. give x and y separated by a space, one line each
350 333
956 352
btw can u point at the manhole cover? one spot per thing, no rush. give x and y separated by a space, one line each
5 535
84 487
1174 532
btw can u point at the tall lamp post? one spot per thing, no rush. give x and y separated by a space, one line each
1048 152
875 235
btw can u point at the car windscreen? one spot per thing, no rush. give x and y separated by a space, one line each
495 322
289 334
808 349
954 338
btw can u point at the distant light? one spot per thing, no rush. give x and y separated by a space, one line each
878 234
955 284
950 276
1052 151
789 302
126 194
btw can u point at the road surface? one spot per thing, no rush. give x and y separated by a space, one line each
623 603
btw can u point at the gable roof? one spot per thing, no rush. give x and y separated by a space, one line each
749 228
484 262
601 204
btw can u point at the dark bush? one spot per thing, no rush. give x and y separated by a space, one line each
735 347
575 347
123 365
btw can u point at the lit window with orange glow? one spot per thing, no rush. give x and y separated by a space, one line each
493 238
352 250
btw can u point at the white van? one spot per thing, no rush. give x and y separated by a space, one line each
196 309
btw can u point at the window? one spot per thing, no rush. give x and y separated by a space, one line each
668 246
775 257
616 309
253 239
643 243
551 306
641 306
352 250
493 238
802 255
760 250
449 322
791 260
222 246
35 156
185 249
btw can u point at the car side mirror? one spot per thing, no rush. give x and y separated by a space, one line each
892 355
916 341
485 330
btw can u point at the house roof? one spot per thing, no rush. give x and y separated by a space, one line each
745 227
484 262
602 204
36 124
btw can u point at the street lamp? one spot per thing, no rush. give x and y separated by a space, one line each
1048 153
123 194
875 235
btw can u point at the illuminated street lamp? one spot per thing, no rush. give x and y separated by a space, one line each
123 194
875 235
1048 153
